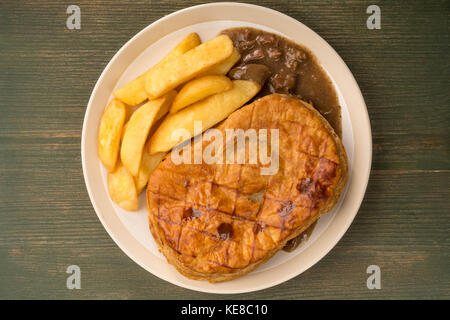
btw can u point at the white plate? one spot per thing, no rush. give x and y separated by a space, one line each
130 229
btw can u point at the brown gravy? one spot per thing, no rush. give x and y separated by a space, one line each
283 66
289 68
299 240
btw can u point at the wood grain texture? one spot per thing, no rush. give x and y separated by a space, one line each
47 221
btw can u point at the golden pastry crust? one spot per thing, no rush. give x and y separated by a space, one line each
220 221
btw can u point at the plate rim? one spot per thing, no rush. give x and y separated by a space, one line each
362 179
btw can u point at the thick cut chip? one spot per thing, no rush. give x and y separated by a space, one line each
159 116
222 68
148 164
109 133
209 111
171 73
170 96
137 131
123 131
198 89
133 93
122 188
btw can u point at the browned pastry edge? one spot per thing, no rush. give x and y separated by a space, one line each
171 254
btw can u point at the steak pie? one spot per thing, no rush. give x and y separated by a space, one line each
216 222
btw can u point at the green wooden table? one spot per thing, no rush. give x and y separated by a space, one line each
48 223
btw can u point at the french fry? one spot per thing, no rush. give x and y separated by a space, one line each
124 128
161 113
130 111
109 133
171 73
170 96
222 68
122 188
137 131
148 164
198 89
133 93
210 111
